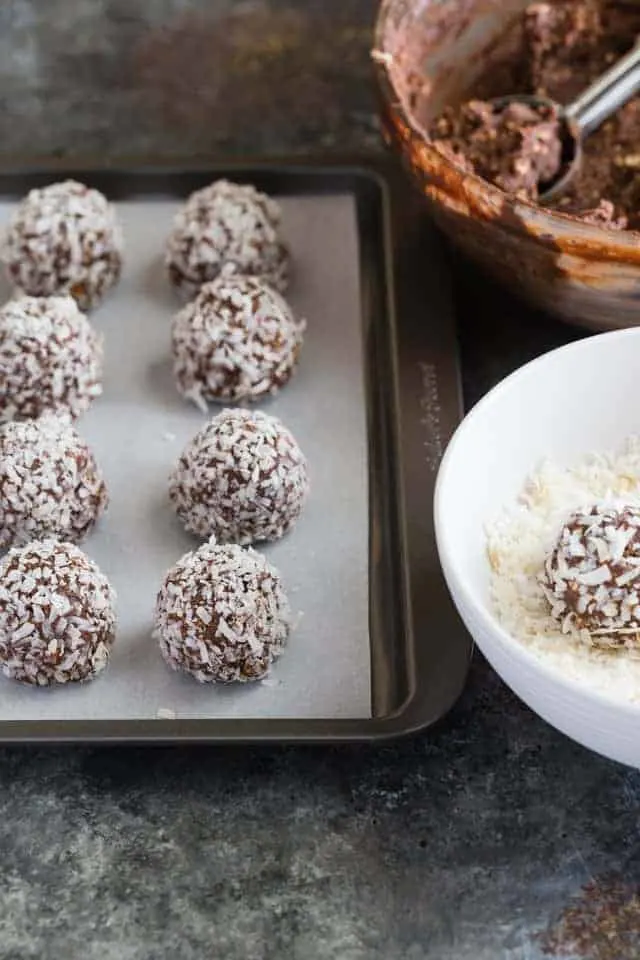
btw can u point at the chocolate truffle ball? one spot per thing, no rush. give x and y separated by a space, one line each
238 340
242 478
592 576
222 615
57 620
226 226
50 484
64 239
50 358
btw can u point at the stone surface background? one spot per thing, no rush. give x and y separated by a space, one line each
490 838
170 77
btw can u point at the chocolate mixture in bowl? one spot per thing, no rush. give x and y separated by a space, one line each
565 46
517 146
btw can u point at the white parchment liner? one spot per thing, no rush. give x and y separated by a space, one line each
139 427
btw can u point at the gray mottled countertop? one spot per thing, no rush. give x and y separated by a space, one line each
490 838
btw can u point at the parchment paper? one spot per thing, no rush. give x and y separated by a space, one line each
139 427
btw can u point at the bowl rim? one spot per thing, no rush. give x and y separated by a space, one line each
600 242
489 622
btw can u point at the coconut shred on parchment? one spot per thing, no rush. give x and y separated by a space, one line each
518 542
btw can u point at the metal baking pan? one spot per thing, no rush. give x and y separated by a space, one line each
419 653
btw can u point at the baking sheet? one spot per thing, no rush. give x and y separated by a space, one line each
138 429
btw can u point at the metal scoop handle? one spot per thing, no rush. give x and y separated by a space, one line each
609 92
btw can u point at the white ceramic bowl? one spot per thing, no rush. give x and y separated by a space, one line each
581 398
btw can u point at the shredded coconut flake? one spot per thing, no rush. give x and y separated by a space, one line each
520 542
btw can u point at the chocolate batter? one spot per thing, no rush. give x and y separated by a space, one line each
565 45
516 146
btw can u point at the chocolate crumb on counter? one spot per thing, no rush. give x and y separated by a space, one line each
601 923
